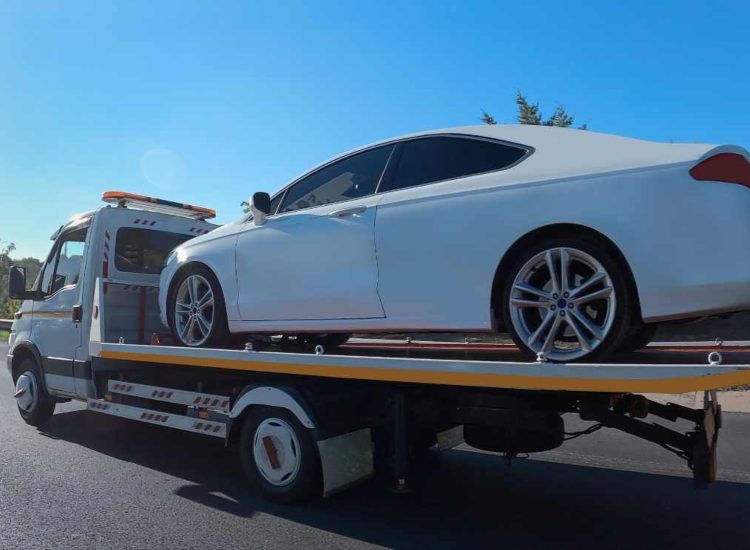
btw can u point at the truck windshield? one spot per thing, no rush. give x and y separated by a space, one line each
144 250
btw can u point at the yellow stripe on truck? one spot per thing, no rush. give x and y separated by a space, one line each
455 378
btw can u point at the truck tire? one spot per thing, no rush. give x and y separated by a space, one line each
280 457
34 403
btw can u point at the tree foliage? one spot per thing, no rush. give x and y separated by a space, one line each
7 306
530 113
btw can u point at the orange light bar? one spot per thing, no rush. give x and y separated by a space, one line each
122 198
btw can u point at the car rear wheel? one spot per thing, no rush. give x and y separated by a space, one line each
197 314
567 299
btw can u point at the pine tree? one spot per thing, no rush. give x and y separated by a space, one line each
531 114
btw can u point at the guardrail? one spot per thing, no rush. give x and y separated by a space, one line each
5 324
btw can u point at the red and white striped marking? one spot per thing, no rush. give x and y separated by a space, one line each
105 261
159 418
209 401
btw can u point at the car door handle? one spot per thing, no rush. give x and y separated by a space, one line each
355 211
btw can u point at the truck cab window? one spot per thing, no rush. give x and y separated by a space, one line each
64 265
144 250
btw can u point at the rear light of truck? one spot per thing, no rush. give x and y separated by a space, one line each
726 167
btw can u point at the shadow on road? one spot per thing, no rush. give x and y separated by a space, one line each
460 498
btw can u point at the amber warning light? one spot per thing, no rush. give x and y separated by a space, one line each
142 202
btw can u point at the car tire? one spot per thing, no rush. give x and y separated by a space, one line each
638 338
35 405
590 309
197 324
280 457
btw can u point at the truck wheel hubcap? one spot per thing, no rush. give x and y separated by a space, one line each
277 452
194 310
26 391
562 303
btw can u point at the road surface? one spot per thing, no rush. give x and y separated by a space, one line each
93 481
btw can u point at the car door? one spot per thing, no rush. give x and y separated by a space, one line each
315 258
55 332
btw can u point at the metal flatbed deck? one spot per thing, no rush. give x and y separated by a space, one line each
631 377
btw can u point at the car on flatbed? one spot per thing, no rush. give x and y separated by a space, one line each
576 243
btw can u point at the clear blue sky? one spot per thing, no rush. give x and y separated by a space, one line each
208 101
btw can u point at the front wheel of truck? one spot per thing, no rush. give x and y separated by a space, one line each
34 403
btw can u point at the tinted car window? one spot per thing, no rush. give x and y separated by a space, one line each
440 158
144 250
355 176
275 202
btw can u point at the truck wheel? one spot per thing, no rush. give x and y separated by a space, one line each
567 298
34 403
280 457
197 313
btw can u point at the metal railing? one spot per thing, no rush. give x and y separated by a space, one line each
5 324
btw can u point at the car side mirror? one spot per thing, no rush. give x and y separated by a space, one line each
17 284
260 206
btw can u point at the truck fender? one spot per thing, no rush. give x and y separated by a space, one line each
26 347
272 397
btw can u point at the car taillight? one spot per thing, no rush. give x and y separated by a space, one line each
726 167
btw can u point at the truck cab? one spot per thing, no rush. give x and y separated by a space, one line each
128 241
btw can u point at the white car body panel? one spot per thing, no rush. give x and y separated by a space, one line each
316 263
438 246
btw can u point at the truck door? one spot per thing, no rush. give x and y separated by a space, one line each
55 331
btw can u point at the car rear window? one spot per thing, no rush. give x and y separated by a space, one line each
427 160
144 250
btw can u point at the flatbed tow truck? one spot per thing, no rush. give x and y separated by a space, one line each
311 422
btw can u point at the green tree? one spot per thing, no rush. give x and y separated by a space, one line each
529 113
7 306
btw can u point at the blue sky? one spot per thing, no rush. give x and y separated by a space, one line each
209 101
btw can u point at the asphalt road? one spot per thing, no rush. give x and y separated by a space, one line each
93 481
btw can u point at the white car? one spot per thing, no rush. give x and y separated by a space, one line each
574 242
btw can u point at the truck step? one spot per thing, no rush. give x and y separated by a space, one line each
181 397
160 418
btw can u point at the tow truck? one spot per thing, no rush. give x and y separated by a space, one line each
310 422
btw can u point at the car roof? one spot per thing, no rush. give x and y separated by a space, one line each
561 152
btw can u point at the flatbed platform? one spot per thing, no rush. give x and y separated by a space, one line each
632 377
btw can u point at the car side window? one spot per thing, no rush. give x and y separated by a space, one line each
64 266
432 159
353 177
275 202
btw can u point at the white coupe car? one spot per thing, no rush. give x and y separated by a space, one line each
574 242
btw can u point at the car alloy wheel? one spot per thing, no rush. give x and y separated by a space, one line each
194 310
562 303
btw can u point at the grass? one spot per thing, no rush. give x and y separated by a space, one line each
4 335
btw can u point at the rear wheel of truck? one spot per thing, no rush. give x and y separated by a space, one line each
34 403
280 457
197 313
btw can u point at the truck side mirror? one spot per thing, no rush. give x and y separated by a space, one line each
260 206
17 283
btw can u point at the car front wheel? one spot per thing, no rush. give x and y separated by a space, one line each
197 314
568 300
